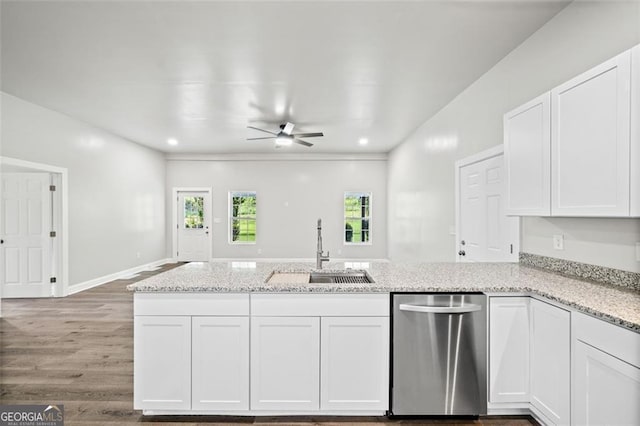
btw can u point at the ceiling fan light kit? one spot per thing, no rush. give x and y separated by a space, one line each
284 137
284 140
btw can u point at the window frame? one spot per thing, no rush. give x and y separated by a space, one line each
230 218
370 218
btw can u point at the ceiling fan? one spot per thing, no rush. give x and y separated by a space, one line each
284 137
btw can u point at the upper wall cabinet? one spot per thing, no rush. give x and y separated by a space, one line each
635 132
590 141
527 138
576 152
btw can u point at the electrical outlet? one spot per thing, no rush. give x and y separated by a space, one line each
638 252
558 242
259 251
137 255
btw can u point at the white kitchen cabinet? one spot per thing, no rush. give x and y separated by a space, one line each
606 373
355 363
635 132
220 363
590 142
550 362
285 363
162 368
509 349
527 147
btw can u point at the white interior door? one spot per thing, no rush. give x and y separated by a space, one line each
193 223
485 233
26 245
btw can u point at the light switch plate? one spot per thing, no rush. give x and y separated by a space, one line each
558 242
638 252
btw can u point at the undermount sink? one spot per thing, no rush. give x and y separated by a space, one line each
320 277
342 277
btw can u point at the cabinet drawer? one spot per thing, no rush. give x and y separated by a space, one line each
191 304
607 337
315 305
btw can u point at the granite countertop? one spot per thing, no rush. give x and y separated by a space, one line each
615 304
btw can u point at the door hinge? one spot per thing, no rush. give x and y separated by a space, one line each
52 234
511 248
52 188
52 279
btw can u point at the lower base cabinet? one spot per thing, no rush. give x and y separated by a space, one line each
550 362
606 373
509 326
285 363
162 363
264 353
220 363
355 363
329 364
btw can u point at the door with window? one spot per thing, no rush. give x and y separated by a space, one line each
26 246
485 233
193 226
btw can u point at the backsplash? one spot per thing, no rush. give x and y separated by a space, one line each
582 270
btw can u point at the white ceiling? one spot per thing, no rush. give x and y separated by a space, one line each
201 71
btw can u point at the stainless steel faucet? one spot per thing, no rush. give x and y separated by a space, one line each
320 256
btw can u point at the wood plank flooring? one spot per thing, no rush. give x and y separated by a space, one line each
78 351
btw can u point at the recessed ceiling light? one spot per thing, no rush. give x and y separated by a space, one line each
172 141
363 141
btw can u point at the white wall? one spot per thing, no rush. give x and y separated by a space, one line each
291 196
116 187
421 169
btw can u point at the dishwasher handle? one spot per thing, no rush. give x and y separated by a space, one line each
464 309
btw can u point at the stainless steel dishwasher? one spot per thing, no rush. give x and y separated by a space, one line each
439 351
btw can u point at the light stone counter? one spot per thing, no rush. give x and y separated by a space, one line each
612 303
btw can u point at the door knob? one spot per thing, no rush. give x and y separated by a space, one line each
461 253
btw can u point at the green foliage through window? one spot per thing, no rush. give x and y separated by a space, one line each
243 217
193 212
357 217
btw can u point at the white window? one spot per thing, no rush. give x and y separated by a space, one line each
242 217
357 218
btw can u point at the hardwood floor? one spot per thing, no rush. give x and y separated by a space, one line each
78 351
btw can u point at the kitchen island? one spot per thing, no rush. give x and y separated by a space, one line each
216 338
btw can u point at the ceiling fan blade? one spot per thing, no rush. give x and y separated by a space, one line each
288 128
308 135
255 139
301 142
262 130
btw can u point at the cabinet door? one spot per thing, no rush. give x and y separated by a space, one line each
285 363
162 368
550 361
590 142
509 349
527 151
220 363
635 132
606 391
354 363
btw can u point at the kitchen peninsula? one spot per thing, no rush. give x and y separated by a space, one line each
216 338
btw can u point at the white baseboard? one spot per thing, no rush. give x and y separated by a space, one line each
76 288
